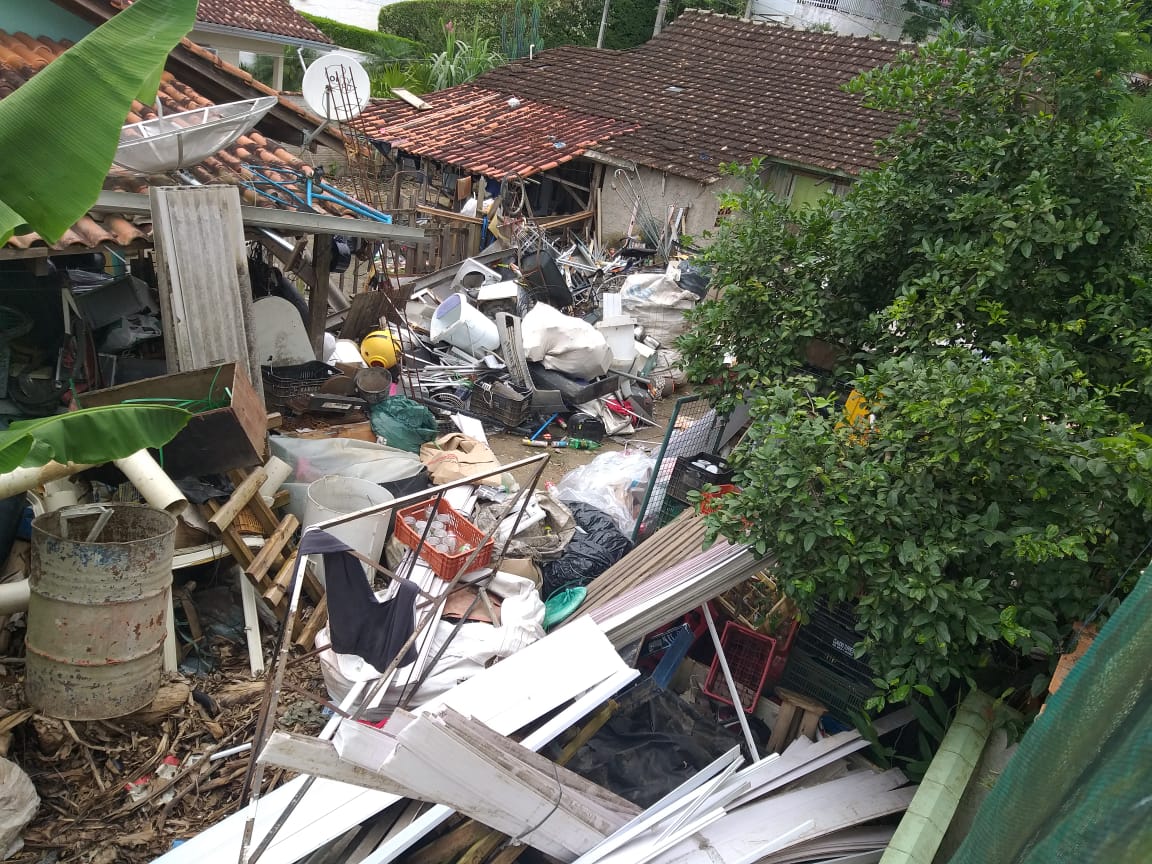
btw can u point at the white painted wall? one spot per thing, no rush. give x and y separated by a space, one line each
359 13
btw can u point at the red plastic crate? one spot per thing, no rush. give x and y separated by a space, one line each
749 657
443 565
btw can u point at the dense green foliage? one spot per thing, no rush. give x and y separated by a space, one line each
988 288
366 41
562 22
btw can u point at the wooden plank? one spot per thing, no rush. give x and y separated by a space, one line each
364 315
273 550
275 591
411 98
240 497
202 276
318 297
314 624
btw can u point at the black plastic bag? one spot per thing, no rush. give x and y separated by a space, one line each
695 276
654 742
589 554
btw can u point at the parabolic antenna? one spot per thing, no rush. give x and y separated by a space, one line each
336 87
188 138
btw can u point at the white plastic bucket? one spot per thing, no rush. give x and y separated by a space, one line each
462 325
333 496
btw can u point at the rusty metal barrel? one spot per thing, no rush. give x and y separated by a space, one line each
100 580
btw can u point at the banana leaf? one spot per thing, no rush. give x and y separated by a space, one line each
90 436
60 130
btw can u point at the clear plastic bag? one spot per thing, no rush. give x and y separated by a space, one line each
612 482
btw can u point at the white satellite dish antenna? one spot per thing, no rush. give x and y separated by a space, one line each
188 138
336 87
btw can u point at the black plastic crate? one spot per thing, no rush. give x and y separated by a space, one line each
693 473
843 695
281 383
502 402
830 635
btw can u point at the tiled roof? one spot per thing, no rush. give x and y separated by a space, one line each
709 89
21 56
478 130
262 16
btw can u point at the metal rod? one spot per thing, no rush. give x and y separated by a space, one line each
253 778
751 742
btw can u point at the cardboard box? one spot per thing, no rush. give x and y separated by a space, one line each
232 436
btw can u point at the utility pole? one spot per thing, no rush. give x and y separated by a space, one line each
603 25
748 9
661 11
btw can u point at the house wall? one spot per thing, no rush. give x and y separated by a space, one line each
41 18
660 191
884 18
237 50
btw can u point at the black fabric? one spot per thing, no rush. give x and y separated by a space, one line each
358 622
589 554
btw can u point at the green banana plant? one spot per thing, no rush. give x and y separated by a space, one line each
59 131
90 436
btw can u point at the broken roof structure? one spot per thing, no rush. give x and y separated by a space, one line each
708 90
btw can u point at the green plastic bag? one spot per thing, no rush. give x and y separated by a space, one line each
402 423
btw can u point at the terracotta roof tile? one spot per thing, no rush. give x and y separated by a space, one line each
19 61
261 16
477 129
709 89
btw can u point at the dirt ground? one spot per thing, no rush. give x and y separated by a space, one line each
509 448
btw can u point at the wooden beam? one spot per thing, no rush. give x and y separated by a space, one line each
243 493
318 297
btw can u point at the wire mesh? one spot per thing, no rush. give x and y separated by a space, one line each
695 427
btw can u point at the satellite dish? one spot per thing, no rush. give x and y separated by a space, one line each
336 87
188 138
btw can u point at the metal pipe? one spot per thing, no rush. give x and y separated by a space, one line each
603 25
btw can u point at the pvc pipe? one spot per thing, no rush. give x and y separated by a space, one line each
278 471
14 597
23 479
153 484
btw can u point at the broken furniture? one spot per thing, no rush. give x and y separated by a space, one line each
229 427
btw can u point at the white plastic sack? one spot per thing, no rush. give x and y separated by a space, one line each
612 482
658 303
18 805
313 458
566 344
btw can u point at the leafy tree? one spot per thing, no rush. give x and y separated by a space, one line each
987 291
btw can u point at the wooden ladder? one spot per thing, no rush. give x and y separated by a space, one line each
269 568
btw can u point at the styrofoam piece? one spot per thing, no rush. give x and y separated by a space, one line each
346 352
611 305
507 290
618 332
